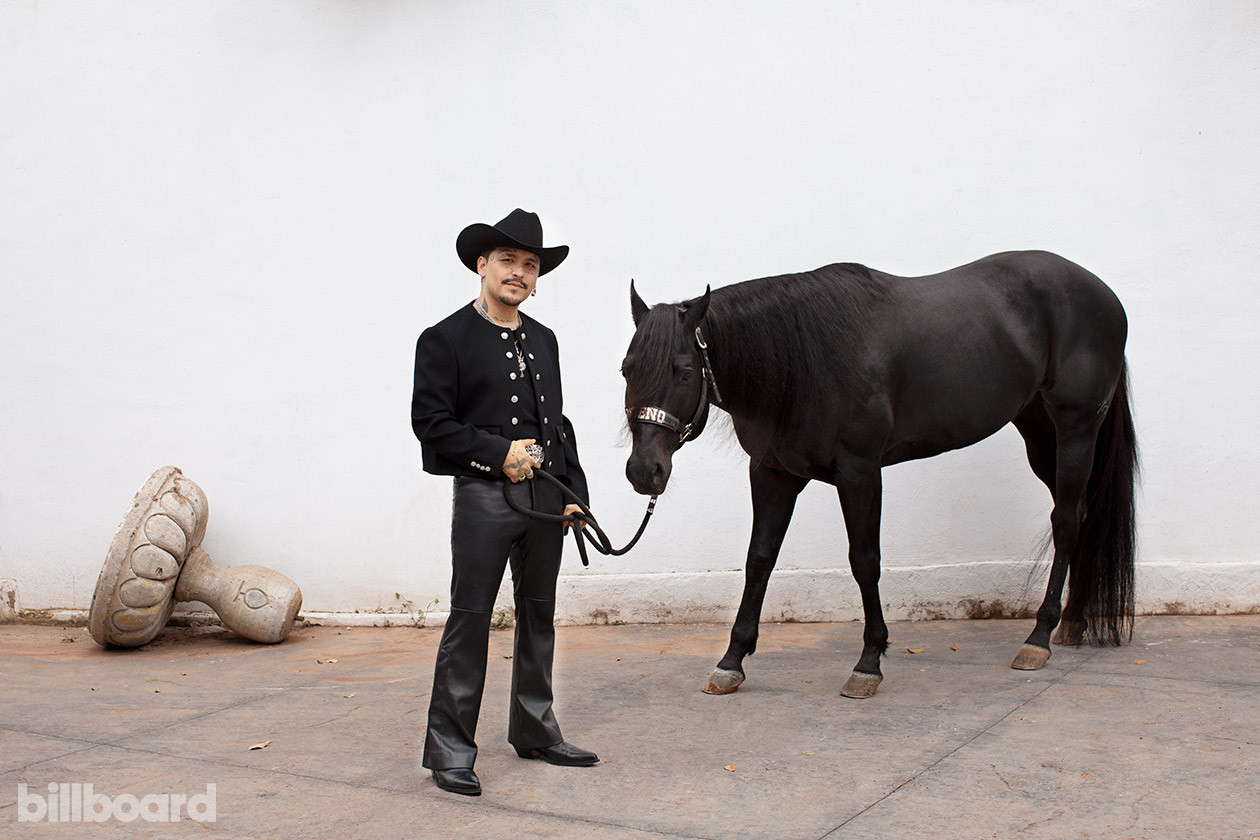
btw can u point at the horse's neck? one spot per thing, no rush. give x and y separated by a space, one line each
736 382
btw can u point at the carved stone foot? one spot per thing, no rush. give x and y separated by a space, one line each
722 681
861 685
156 560
1031 658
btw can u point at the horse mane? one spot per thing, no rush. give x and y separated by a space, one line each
779 345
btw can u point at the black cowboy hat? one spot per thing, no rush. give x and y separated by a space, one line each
518 230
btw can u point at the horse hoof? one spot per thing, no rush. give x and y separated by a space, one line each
722 681
1069 633
860 685
1031 658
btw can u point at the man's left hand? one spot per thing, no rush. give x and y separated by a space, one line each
568 509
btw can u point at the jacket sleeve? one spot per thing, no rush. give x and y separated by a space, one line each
574 478
433 417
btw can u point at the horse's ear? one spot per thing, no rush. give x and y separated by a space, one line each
695 311
637 307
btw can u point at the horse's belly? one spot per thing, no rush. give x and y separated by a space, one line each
927 447
954 411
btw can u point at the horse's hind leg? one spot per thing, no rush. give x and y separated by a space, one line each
1076 433
774 495
1037 428
861 500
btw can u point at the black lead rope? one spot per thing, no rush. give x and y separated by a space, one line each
600 540
643 414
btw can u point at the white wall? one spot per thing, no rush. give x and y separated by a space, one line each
223 224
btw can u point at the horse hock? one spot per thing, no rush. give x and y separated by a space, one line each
156 560
722 681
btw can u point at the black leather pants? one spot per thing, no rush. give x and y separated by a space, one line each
485 535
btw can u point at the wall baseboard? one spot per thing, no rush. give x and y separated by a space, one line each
977 590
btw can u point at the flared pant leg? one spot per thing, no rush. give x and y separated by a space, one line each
485 532
459 678
531 720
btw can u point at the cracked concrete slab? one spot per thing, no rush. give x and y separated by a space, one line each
1155 739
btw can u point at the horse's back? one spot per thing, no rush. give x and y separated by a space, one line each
1020 279
1035 303
963 351
1085 323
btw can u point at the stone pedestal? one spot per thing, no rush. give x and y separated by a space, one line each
254 601
9 607
156 559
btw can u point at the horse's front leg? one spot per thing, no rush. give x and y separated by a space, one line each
774 495
860 499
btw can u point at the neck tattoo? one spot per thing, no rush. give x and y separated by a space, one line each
484 311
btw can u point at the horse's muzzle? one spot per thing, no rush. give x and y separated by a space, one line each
648 475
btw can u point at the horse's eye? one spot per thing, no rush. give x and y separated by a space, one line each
686 376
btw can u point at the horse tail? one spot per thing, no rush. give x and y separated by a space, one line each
1101 588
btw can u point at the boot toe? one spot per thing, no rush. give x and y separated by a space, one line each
562 754
460 780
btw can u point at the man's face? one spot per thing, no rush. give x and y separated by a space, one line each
509 274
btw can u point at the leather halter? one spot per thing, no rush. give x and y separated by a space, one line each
661 417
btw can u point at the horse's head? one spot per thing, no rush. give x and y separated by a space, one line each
667 386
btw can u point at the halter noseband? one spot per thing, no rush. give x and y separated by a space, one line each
661 417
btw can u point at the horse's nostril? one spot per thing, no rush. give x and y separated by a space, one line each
660 477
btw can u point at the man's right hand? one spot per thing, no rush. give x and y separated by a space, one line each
519 464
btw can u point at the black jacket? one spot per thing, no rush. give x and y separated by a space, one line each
467 388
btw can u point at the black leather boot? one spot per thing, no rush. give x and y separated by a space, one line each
461 780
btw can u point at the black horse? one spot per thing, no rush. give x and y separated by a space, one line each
836 373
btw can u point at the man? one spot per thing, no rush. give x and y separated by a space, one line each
487 385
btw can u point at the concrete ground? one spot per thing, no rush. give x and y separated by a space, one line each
1157 739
